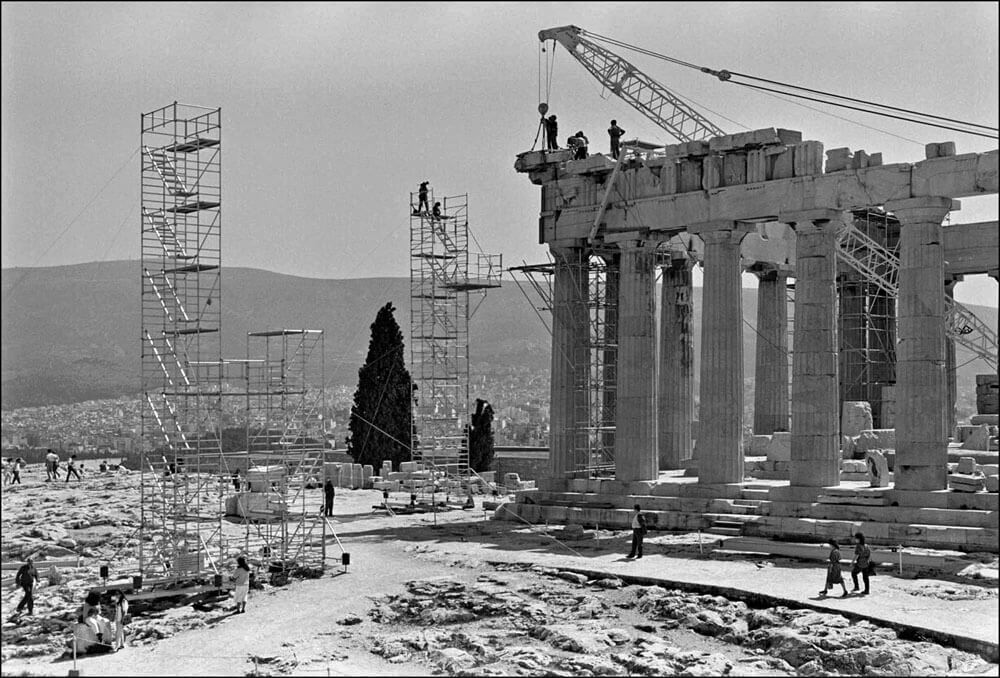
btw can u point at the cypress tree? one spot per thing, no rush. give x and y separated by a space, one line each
380 419
481 450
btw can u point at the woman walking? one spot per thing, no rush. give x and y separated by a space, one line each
121 618
242 580
862 562
833 573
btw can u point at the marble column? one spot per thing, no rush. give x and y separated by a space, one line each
719 447
675 375
635 443
569 336
921 384
770 412
815 454
951 374
609 342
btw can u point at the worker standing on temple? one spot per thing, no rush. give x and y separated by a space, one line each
615 132
551 133
423 206
581 146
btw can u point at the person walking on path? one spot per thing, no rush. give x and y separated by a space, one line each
8 470
862 563
122 618
638 532
615 132
423 206
26 577
18 465
51 459
833 573
328 494
71 468
242 580
551 133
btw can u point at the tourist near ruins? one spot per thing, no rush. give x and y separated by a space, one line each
662 530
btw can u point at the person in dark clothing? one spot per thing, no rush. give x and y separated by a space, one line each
862 562
26 577
16 469
615 132
581 146
237 481
328 494
423 205
551 133
437 211
638 532
71 468
833 574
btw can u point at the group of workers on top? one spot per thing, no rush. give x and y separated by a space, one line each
578 142
423 205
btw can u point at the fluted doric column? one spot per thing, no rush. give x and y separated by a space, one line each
921 384
569 365
770 412
719 447
635 450
815 454
675 374
949 365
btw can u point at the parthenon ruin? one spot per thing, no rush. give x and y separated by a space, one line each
758 201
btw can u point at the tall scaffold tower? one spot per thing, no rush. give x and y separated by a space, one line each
285 415
441 280
181 212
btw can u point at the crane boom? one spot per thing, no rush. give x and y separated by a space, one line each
651 98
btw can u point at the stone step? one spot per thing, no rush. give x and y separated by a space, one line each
725 531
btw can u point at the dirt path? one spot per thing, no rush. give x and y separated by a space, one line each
298 629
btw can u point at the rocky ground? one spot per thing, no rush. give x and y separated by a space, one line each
459 594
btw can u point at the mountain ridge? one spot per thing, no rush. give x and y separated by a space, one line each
71 333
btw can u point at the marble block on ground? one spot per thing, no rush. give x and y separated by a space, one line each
780 448
878 468
962 482
856 416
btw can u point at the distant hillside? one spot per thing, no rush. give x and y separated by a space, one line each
71 333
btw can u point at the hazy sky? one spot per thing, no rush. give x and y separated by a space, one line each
332 113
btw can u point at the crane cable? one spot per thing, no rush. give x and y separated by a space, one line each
726 76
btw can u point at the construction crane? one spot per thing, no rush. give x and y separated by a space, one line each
642 92
668 111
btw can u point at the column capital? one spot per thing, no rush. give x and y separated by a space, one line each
815 217
770 270
722 232
632 245
721 225
566 249
922 210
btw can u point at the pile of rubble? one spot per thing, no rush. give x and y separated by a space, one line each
543 621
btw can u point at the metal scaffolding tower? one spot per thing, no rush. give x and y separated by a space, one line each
181 204
282 466
596 354
441 279
867 316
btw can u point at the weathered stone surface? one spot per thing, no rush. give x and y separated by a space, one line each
961 482
878 468
978 439
856 416
780 448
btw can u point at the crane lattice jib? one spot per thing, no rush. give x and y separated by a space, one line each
654 100
880 267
